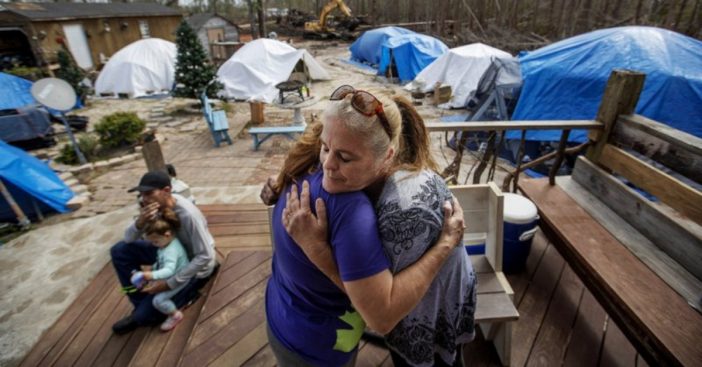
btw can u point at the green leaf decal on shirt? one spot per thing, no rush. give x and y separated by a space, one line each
347 339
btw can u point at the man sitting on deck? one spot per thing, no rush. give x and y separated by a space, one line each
133 252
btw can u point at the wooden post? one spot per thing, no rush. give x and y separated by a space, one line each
153 156
21 218
257 116
559 157
620 98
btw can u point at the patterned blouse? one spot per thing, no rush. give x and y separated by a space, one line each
410 218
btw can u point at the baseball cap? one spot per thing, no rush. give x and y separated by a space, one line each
154 180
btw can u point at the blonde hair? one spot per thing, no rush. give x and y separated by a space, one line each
410 138
369 127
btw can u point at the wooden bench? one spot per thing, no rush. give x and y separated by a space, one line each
267 132
641 259
483 213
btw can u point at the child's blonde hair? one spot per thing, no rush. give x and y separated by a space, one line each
167 221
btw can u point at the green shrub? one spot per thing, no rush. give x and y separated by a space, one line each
119 129
30 73
88 145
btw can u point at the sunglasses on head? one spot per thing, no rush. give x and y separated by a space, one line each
365 103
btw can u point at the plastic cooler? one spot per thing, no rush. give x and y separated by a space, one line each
520 219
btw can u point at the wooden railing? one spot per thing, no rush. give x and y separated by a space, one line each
491 152
618 102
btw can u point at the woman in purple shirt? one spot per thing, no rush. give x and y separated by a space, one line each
316 313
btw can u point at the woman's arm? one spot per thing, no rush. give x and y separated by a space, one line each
382 299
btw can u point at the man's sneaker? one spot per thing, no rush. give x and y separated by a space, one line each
172 321
124 325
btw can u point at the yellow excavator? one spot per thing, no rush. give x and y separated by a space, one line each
320 28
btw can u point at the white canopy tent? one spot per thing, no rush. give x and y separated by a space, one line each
462 67
253 71
140 68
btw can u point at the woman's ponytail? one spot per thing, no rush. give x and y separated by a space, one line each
415 152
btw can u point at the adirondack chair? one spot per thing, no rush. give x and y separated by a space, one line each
216 121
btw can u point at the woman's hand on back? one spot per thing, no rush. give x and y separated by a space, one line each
308 231
454 224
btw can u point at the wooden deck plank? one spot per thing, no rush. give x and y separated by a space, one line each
654 316
212 208
232 273
234 290
236 258
245 349
90 327
211 326
586 338
551 342
136 337
164 348
480 353
97 343
237 217
534 305
219 230
263 358
616 350
206 353
245 241
61 333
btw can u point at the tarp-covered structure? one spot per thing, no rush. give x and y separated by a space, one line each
462 67
16 92
407 51
252 73
32 184
410 54
566 80
141 68
367 47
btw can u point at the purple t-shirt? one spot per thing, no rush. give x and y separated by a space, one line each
305 310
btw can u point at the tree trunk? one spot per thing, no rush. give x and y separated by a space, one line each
262 18
252 19
681 10
637 15
695 18
584 21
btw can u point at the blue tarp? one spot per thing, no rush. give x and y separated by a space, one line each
29 179
566 80
367 48
16 92
412 53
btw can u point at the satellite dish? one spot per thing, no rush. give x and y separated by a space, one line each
54 93
57 94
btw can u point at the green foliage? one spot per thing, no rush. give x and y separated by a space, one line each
30 73
119 129
71 73
193 68
88 145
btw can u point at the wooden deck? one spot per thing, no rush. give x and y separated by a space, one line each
560 322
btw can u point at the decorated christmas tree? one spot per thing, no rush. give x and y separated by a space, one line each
193 69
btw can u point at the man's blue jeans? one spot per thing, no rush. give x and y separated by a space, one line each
127 257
